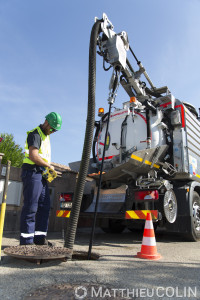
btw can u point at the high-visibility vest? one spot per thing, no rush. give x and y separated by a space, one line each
45 147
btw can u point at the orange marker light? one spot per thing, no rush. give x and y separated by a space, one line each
133 99
100 112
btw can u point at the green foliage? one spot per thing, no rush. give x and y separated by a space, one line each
11 151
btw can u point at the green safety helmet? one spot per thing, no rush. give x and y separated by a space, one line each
54 119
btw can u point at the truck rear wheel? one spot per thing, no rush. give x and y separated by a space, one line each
114 226
195 218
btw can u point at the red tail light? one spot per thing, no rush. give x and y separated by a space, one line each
146 195
65 197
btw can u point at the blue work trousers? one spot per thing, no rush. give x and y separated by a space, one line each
35 211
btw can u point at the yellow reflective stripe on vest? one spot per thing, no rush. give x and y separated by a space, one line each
45 148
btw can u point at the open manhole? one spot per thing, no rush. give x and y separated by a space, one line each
83 255
67 291
39 254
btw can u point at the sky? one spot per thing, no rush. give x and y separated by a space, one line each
44 51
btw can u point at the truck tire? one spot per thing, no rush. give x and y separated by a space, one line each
195 218
114 226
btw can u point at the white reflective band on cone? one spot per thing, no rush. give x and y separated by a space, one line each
26 235
149 225
40 233
149 241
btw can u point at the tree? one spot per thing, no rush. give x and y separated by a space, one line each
11 151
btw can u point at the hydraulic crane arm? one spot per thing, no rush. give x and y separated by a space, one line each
114 47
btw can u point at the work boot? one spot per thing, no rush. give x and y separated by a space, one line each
44 242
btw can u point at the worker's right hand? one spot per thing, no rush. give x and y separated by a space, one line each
51 167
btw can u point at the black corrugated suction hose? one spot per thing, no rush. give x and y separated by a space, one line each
78 194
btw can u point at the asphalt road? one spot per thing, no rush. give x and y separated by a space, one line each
118 274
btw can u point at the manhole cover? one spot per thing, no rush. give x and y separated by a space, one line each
38 253
45 253
69 291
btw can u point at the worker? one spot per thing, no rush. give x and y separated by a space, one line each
35 211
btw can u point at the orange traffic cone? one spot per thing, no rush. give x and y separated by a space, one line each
148 249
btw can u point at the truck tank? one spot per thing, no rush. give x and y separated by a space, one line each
128 152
